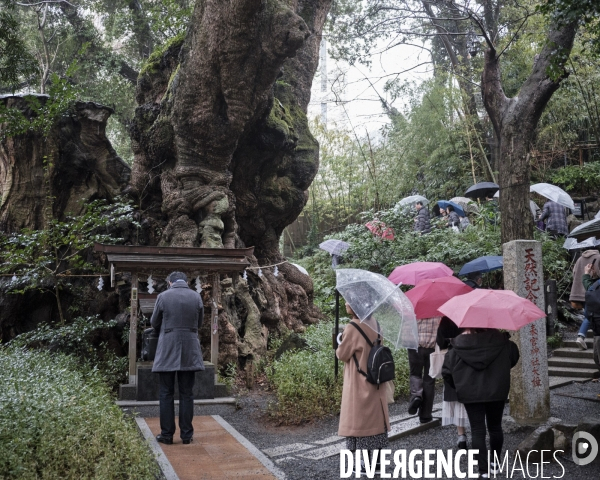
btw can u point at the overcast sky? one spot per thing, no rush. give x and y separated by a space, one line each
353 92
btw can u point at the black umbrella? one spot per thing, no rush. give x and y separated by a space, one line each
586 230
482 190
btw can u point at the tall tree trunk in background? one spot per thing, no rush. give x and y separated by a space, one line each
460 63
223 153
515 121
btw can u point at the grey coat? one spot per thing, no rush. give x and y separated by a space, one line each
178 315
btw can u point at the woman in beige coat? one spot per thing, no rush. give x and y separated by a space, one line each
364 417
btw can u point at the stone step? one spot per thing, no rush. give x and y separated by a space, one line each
573 372
573 353
556 382
572 362
573 343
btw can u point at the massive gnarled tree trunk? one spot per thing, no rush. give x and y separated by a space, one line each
43 178
47 177
223 154
515 121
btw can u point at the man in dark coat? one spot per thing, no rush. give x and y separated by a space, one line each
422 222
177 316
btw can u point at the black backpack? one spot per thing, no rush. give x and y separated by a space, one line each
380 366
592 306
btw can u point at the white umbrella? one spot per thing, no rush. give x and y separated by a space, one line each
554 193
300 267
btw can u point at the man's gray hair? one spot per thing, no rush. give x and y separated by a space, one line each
174 276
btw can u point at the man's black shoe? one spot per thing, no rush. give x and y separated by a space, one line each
426 420
414 405
165 440
187 441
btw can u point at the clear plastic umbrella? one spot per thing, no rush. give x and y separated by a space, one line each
377 301
412 199
334 247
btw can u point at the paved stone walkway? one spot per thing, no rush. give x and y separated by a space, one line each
217 452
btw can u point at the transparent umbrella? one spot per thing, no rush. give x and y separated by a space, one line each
378 302
334 247
409 201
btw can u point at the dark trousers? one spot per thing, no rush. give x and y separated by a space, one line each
480 414
186 403
421 384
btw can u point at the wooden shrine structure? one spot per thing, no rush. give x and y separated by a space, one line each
160 262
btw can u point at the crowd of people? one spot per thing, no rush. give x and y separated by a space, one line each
474 358
552 218
476 373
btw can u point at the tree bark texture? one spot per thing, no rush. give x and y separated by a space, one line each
45 178
223 156
515 121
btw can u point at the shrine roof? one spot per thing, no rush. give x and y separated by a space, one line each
137 258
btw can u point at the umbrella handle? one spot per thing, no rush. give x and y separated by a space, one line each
339 339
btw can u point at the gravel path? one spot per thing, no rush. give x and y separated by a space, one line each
250 421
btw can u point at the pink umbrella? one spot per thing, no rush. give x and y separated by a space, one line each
431 294
483 308
413 273
380 229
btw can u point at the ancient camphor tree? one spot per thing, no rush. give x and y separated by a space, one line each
223 153
223 156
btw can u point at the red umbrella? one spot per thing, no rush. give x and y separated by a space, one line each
483 308
413 273
431 294
380 229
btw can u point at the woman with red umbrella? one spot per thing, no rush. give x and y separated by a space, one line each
478 366
479 361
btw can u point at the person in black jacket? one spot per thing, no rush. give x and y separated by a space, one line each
478 365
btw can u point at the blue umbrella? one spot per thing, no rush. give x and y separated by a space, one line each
457 208
482 265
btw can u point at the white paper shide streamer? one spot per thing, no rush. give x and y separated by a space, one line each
150 284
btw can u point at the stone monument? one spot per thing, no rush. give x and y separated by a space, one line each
529 387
